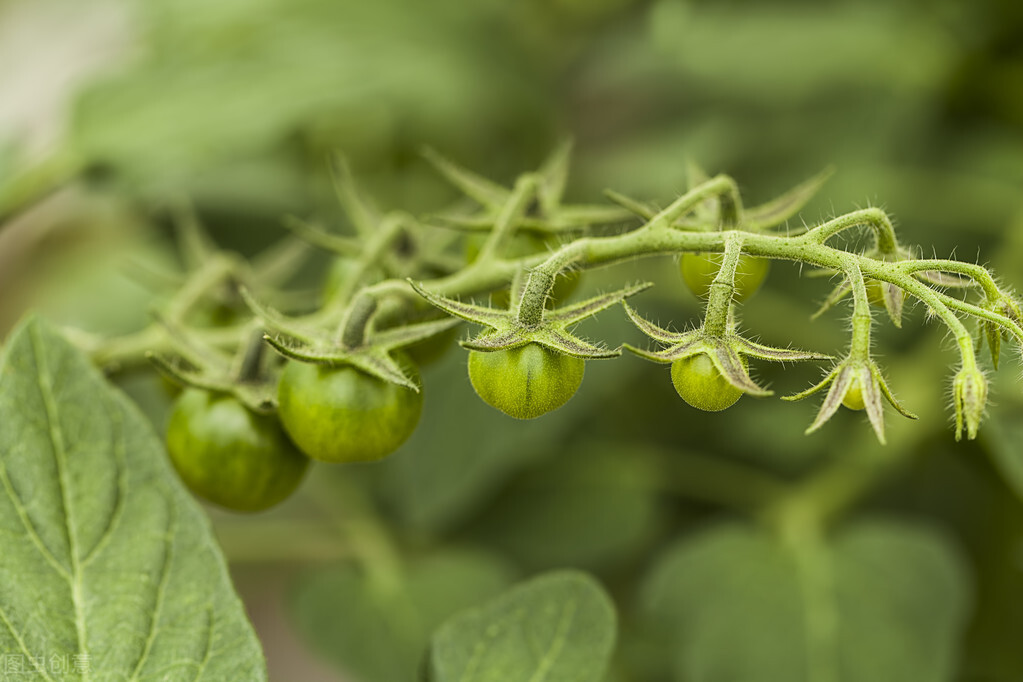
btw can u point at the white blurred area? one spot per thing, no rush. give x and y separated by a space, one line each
48 49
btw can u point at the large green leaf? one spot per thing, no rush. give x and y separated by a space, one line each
108 565
879 602
559 627
379 630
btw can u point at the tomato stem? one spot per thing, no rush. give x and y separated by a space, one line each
722 289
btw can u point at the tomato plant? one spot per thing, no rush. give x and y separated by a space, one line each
446 532
229 455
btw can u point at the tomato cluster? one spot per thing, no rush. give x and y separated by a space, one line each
244 461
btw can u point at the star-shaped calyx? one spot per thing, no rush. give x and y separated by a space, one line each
198 365
369 350
507 331
546 214
727 352
708 214
857 383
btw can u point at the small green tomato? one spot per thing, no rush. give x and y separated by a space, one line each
853 398
700 269
342 414
700 384
525 382
229 455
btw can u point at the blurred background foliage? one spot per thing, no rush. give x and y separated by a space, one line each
113 110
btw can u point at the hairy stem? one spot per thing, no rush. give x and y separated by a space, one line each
719 303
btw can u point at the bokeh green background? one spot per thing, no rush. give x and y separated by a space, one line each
112 109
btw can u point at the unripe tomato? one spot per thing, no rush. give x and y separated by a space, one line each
700 269
342 414
700 384
853 398
230 455
525 382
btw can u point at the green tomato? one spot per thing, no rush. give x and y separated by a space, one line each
700 269
853 398
700 384
525 382
342 414
230 455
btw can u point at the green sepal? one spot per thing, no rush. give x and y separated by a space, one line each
706 214
763 352
372 360
577 312
544 215
780 209
505 330
318 236
363 215
969 395
993 334
196 365
477 187
259 397
308 344
726 352
470 312
841 379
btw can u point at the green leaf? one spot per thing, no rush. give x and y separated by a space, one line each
107 561
880 601
559 627
379 632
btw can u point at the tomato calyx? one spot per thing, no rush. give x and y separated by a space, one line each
196 365
857 383
506 331
727 353
1005 306
545 215
372 352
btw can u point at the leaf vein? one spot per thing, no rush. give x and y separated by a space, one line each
154 620
60 460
